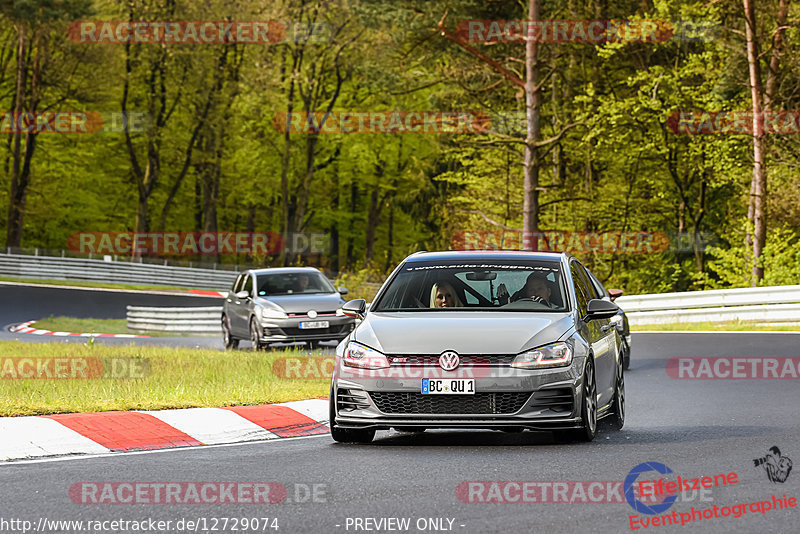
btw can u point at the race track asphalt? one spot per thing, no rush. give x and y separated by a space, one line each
695 427
20 303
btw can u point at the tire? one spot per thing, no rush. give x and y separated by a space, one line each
588 429
617 418
626 358
255 335
342 435
228 341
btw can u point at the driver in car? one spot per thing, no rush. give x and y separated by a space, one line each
536 289
301 284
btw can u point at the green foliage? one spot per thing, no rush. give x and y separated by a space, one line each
362 284
222 163
780 260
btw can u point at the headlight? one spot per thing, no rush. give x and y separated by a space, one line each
269 313
357 355
553 355
340 313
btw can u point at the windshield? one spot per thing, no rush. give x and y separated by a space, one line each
476 286
292 283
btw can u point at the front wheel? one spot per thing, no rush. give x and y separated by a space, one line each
228 340
626 358
588 429
255 335
348 435
617 418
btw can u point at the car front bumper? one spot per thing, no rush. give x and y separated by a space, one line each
505 397
289 331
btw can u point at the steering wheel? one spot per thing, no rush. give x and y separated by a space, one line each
535 298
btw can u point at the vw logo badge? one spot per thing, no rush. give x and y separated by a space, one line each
312 313
449 360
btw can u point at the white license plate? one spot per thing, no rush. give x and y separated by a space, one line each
308 325
448 386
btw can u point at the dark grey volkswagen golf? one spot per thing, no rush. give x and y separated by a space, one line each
284 305
481 339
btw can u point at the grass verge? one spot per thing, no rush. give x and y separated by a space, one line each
96 326
177 378
730 326
99 285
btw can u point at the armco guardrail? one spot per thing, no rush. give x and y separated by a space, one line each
761 305
195 320
778 304
47 267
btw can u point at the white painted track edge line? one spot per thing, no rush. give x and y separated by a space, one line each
10 463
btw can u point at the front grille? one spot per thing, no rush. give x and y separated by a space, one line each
556 399
479 403
465 359
336 329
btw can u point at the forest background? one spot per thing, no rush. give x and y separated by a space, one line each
207 156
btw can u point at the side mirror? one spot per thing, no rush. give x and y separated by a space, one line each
355 309
600 309
243 295
614 294
342 290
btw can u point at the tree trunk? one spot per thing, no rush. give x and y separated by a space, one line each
333 260
350 260
198 202
373 218
390 241
16 204
530 208
758 186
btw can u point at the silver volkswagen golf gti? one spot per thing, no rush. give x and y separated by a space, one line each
496 340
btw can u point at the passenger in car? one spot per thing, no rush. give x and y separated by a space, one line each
444 296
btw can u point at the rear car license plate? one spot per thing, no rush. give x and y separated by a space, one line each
308 325
448 386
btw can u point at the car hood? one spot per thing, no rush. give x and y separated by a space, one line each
320 302
463 332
